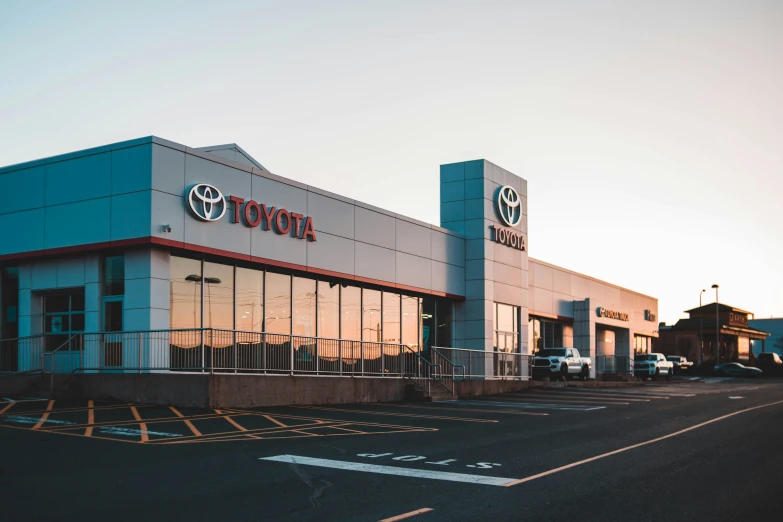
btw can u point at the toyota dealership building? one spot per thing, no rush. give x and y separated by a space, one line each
150 235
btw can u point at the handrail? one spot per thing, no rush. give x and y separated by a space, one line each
52 361
422 379
451 388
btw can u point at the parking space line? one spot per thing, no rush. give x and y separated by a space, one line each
501 412
348 429
394 414
589 396
45 415
640 444
83 408
142 427
270 418
90 418
186 421
558 399
232 421
532 405
409 514
7 407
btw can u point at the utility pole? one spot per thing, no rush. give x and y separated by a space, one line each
717 326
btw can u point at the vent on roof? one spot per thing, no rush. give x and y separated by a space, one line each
233 152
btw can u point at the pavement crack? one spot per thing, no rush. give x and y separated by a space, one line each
318 491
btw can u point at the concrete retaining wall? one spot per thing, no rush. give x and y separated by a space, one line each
248 391
11 385
234 391
174 390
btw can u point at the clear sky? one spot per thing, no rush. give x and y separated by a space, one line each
650 133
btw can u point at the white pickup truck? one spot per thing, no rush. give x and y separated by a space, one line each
653 365
561 363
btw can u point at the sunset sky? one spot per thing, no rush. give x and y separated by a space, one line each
650 133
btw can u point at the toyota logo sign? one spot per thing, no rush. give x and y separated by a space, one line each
206 202
509 206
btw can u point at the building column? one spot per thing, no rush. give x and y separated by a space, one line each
146 307
584 332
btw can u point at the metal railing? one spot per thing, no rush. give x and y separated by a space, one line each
21 355
476 364
449 371
232 351
614 364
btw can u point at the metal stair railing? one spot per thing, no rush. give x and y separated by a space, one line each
448 374
419 370
53 360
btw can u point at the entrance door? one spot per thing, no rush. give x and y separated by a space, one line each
112 322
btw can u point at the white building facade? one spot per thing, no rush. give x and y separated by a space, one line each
150 235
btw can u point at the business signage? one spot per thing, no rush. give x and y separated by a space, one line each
738 319
509 206
649 316
510 212
508 237
208 204
611 314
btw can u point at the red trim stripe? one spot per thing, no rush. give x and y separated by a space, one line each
168 243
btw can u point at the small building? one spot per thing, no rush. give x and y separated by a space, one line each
773 325
699 336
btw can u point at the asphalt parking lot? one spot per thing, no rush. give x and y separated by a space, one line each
673 451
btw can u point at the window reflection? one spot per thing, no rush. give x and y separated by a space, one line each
185 293
371 315
218 296
391 318
250 300
350 312
304 307
328 309
410 321
278 303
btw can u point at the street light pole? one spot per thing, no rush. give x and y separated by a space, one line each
717 326
701 330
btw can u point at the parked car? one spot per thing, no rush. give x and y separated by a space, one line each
770 362
653 365
681 364
561 363
736 369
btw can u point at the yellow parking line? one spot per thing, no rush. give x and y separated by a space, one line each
90 419
352 431
232 421
45 415
394 414
186 421
7 407
143 427
268 417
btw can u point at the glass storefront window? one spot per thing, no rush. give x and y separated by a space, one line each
545 334
218 296
328 310
371 315
278 303
114 275
428 325
391 318
304 307
185 293
410 321
444 313
250 300
350 312
506 321
63 317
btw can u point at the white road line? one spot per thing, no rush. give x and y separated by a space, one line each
521 405
391 470
634 446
